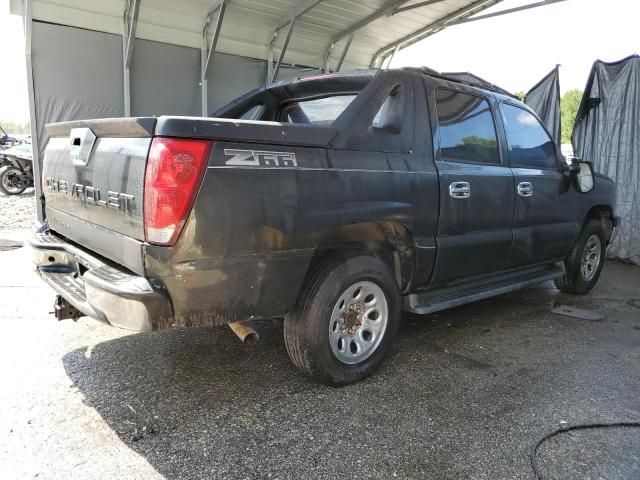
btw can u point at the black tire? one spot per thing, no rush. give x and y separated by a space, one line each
306 329
575 281
5 173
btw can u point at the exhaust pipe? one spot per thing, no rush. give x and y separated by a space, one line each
245 332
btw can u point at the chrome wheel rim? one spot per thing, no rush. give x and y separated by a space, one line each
358 322
11 182
591 257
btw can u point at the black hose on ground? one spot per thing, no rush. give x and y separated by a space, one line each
534 450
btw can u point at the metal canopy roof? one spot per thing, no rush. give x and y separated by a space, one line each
259 29
324 34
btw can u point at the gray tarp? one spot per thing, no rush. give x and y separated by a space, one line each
607 133
164 79
78 75
544 99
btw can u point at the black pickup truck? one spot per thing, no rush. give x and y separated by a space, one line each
334 202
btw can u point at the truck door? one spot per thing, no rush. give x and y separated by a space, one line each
546 215
476 188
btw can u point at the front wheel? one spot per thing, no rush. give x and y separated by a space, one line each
11 181
585 262
345 321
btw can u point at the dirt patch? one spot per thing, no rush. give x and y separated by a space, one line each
17 212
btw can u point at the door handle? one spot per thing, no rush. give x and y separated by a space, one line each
460 190
525 189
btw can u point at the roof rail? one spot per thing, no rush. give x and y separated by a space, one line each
465 78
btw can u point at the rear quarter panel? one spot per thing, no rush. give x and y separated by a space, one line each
254 229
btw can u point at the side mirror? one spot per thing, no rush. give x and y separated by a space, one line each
584 180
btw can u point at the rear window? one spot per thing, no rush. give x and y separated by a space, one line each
466 127
254 113
319 111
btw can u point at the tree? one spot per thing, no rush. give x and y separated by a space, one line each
568 109
521 95
12 127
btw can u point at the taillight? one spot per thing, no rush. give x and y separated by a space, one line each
174 171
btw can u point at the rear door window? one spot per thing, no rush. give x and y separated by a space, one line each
530 146
466 128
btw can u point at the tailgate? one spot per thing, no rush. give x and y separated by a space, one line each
93 180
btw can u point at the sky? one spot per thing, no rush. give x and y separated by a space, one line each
516 50
14 103
513 51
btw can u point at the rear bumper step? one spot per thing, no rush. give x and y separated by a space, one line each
97 289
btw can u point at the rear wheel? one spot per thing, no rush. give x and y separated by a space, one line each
345 320
585 262
11 181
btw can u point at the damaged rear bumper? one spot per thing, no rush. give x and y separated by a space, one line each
98 289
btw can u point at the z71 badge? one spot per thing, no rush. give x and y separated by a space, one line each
258 158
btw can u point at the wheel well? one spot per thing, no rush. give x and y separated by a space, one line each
392 242
604 214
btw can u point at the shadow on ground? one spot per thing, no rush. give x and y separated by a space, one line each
465 394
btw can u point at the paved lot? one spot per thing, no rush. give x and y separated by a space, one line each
18 211
465 394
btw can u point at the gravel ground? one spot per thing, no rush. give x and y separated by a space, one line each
18 211
465 394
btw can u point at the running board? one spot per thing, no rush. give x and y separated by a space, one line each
442 298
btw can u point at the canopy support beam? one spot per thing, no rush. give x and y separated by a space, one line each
426 3
272 72
434 27
27 9
464 15
387 11
344 53
395 50
298 13
208 50
130 23
542 3
284 50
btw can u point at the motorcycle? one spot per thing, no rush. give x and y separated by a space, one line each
16 169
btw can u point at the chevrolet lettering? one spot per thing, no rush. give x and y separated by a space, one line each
117 200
